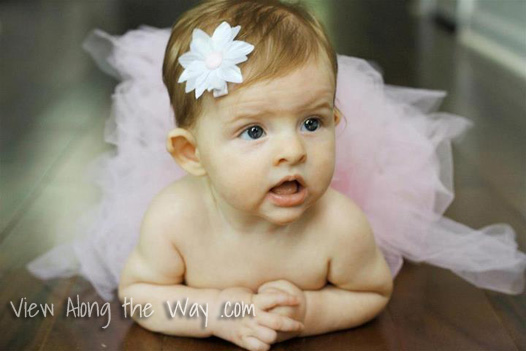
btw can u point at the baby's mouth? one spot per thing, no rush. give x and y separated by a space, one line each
290 193
287 188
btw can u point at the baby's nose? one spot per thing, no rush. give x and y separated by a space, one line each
291 150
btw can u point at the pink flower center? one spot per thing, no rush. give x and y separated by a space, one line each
214 60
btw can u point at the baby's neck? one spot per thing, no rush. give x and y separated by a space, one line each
241 222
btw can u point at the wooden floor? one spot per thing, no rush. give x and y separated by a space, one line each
53 106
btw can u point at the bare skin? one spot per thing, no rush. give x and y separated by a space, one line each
217 236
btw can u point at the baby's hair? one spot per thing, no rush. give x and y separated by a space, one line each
285 36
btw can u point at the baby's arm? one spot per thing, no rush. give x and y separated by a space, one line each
154 273
361 282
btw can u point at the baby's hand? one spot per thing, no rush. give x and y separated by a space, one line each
257 332
296 312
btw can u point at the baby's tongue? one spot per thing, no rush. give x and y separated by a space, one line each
286 188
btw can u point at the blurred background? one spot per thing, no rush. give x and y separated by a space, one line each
54 102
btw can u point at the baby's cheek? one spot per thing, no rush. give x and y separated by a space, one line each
238 190
323 167
242 186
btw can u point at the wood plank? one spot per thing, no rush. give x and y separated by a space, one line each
435 310
21 333
379 334
421 307
478 203
86 333
511 310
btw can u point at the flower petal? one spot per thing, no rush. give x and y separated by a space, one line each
190 85
202 83
199 90
221 36
184 76
234 32
230 73
216 82
235 60
239 48
188 57
188 74
199 34
201 43
223 90
197 66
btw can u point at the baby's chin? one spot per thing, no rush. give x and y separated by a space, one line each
283 219
283 216
287 215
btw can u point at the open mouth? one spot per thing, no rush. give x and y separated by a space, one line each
287 188
288 193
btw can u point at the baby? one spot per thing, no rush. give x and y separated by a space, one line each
255 220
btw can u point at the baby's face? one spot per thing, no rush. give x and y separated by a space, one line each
255 138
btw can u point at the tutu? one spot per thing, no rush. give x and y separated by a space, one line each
393 158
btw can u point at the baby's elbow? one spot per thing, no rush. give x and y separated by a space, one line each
126 286
126 296
133 295
380 301
384 292
122 292
384 279
151 324
387 287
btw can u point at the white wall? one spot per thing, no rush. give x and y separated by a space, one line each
495 28
498 30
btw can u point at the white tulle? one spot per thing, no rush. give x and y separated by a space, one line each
393 159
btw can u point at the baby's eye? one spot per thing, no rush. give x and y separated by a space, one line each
252 133
311 124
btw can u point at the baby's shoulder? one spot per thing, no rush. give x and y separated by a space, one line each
356 262
157 258
181 191
175 197
176 206
343 217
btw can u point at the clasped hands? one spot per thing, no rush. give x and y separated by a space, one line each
280 309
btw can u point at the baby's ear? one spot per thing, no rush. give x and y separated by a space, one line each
182 146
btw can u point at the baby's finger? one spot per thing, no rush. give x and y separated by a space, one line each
268 301
267 335
279 323
254 344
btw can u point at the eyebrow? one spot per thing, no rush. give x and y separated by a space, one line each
316 104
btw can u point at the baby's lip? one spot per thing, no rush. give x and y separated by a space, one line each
290 178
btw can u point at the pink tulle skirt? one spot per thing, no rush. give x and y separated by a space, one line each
393 159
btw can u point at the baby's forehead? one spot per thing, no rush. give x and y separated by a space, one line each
280 100
305 88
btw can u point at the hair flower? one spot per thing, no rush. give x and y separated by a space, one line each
211 61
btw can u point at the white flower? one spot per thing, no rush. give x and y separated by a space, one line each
211 61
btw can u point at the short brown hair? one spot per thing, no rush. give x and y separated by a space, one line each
285 36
